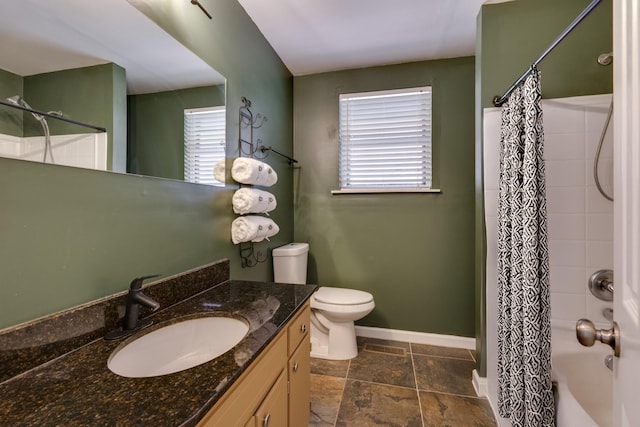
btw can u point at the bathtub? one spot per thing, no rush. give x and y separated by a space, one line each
585 384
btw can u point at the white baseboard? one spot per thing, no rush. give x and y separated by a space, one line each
480 384
416 337
501 422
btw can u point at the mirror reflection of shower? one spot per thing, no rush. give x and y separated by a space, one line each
603 59
18 100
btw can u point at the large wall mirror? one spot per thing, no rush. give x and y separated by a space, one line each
107 65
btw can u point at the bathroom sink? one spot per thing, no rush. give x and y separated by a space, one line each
177 347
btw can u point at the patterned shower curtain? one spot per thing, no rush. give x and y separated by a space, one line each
524 330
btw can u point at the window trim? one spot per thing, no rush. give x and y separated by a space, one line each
385 190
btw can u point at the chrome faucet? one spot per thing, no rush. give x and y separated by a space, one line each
130 322
601 285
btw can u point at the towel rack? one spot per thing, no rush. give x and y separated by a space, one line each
247 123
251 122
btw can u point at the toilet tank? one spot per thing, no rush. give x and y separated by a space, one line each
290 263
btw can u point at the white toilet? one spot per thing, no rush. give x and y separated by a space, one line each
333 310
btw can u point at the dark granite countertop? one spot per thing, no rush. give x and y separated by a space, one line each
77 388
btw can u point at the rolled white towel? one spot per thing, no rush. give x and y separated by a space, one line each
252 228
219 170
252 200
251 171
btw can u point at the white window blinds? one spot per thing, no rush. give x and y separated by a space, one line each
385 140
204 143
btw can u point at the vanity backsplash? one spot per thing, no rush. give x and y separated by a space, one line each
25 346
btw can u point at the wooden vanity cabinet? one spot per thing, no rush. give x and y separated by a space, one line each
299 369
274 390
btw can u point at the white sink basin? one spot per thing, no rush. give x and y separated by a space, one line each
177 347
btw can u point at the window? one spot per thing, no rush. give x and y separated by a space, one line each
385 141
204 143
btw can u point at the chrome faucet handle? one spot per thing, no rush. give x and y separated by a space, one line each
601 285
587 335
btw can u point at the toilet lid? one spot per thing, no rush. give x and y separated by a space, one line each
341 296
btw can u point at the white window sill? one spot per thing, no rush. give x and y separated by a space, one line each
386 190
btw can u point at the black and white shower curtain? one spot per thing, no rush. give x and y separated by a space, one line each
524 330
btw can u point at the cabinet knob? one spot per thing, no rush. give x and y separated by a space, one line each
295 367
265 423
303 328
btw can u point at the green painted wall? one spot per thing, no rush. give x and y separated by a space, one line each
413 252
156 146
83 94
10 118
118 153
68 236
480 240
511 36
514 34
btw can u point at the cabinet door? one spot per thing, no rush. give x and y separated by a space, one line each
273 410
299 385
299 328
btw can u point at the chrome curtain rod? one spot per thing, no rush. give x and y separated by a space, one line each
52 116
499 100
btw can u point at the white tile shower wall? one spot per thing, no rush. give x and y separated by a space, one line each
580 219
10 146
81 150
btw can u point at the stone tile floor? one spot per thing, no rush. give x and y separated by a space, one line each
397 384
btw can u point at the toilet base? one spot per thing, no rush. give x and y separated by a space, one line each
337 343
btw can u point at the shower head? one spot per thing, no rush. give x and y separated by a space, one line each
19 101
14 99
605 58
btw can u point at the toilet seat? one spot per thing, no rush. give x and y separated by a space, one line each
342 296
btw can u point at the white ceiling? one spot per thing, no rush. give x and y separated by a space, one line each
310 36
313 36
40 36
